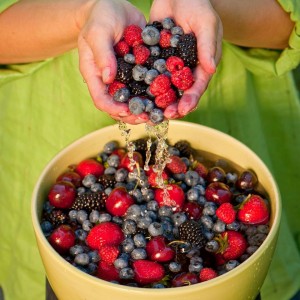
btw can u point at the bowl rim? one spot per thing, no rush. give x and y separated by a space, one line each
169 291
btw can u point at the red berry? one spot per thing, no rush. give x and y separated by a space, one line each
62 238
226 213
207 274
174 63
62 194
218 192
166 99
115 86
183 79
137 157
118 201
122 48
133 35
109 253
107 271
147 271
90 166
160 85
200 168
158 250
106 233
175 197
141 54
70 176
254 210
153 176
184 279
193 210
165 38
176 165
120 152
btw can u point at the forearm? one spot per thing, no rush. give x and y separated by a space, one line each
254 23
33 30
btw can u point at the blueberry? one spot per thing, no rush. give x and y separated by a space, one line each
201 200
151 96
160 65
154 50
80 190
122 95
212 246
82 215
128 245
175 40
138 253
195 267
192 194
94 256
121 175
126 273
156 116
144 222
88 180
148 194
179 176
231 264
209 209
103 157
133 212
110 171
108 190
158 286
139 240
173 151
104 217
136 105
150 76
191 178
251 249
92 268
46 227
207 221
137 195
81 234
177 30
94 216
129 58
150 35
129 226
200 188
87 225
152 205
263 229
139 73
179 218
76 249
121 263
113 160
96 187
155 229
82 259
174 267
110 147
208 234
165 211
118 220
219 226
168 23
186 161
47 207
149 105
235 226
231 177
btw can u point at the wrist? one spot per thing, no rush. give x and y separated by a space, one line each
83 12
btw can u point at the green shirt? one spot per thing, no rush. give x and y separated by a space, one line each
45 106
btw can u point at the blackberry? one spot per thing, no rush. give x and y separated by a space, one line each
167 52
157 25
187 50
107 181
140 145
137 88
191 232
150 61
185 148
90 201
124 71
57 217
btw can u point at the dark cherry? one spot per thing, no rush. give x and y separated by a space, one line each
158 249
193 210
216 174
184 279
62 194
70 176
62 239
247 181
218 192
125 161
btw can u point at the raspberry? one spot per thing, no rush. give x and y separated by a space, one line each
114 86
207 274
141 54
183 79
176 165
133 35
122 48
165 37
165 99
160 85
174 63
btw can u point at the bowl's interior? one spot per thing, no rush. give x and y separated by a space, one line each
200 137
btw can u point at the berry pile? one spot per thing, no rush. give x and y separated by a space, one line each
154 67
111 220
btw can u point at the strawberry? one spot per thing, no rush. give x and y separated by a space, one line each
200 168
89 166
218 192
183 279
118 201
160 85
158 250
176 165
115 86
207 274
165 38
62 194
253 210
62 238
133 35
152 177
232 244
121 48
183 79
137 157
174 63
226 212
106 233
147 271
175 197
107 271
166 99
109 253
141 54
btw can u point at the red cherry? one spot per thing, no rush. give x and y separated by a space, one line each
184 279
70 176
137 157
62 239
120 152
90 166
62 194
118 202
216 174
218 192
193 210
158 250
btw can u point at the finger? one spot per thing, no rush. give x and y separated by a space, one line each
171 112
133 119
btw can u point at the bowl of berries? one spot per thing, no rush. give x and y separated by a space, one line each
185 212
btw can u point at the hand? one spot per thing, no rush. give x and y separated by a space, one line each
102 28
199 17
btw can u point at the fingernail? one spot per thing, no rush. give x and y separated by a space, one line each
124 114
105 74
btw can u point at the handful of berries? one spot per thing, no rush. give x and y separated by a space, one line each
154 67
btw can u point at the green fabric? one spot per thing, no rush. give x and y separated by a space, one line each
45 106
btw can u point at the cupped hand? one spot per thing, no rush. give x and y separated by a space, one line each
102 27
199 17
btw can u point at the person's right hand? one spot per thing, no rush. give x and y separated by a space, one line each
102 27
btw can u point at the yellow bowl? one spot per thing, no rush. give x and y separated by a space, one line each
244 282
